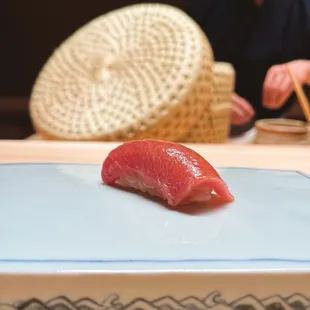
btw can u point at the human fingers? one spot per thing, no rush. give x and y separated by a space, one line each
237 116
243 105
276 89
242 111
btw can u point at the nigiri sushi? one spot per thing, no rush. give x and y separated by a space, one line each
171 171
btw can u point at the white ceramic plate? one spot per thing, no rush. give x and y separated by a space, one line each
61 217
68 242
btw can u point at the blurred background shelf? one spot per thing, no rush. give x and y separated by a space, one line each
15 122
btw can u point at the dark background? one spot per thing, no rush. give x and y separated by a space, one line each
29 31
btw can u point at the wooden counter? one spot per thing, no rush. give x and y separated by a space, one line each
273 157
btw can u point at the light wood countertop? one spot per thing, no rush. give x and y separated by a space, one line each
272 157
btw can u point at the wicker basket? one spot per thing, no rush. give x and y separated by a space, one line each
141 71
213 125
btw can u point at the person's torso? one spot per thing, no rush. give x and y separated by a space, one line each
254 39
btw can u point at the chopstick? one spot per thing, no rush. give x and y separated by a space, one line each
303 101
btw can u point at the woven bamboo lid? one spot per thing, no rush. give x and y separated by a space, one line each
140 71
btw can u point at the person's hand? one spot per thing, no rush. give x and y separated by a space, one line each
278 86
242 111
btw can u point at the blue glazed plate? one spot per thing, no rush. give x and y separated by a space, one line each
61 217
